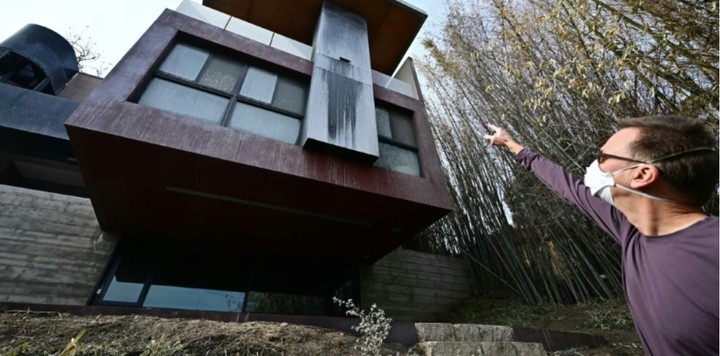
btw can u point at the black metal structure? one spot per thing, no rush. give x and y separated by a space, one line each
37 58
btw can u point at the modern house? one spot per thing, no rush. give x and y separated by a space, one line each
246 157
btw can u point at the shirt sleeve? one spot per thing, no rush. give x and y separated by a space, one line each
572 190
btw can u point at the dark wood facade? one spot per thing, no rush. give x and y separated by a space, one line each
158 174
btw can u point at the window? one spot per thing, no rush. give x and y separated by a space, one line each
177 277
19 71
396 136
172 275
226 91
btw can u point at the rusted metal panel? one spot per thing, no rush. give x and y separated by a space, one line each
159 174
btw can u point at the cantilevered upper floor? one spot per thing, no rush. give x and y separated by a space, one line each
206 131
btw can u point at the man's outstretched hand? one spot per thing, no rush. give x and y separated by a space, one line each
501 138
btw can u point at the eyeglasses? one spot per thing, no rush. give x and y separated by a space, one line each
602 157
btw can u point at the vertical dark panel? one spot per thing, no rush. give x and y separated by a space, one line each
340 112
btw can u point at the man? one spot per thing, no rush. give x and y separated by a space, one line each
646 190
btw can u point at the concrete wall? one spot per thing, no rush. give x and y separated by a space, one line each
51 247
52 251
416 286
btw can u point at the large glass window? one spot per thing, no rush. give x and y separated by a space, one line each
171 275
129 279
227 91
396 136
197 279
170 96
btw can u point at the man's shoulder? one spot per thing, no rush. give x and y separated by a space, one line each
710 222
706 229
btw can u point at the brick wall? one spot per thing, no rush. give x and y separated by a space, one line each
416 286
51 247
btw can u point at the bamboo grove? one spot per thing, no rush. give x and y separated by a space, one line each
558 74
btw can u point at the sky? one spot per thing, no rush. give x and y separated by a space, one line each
115 25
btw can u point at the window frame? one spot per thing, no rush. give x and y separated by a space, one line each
117 257
233 97
256 270
393 142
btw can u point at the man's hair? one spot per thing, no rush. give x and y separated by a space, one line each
694 174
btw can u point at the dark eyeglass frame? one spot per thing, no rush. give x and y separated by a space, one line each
602 157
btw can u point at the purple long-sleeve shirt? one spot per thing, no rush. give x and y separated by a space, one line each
670 281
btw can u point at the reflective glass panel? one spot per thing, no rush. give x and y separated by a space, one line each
127 292
197 278
383 122
291 304
265 123
299 285
168 274
259 85
172 297
398 159
291 96
222 74
180 99
402 129
130 277
185 61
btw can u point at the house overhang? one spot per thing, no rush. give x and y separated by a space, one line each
153 173
392 25
152 190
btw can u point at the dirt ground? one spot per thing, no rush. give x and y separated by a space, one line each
624 342
46 333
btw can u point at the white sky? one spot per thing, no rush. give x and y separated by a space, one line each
115 25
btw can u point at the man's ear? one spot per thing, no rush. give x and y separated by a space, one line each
644 175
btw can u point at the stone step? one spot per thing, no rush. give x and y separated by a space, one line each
493 348
462 332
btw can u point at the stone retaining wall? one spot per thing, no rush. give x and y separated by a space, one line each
411 285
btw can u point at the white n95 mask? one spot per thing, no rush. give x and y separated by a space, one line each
600 182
